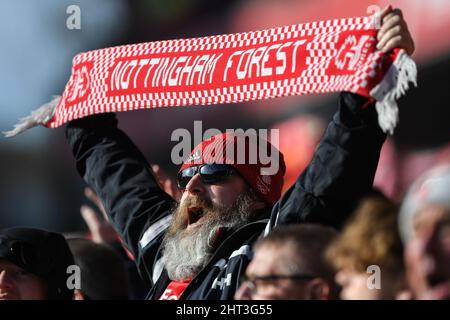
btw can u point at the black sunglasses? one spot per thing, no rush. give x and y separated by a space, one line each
209 174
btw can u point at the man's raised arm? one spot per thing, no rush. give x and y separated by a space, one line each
113 166
344 164
342 169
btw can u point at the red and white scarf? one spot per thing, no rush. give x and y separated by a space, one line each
325 56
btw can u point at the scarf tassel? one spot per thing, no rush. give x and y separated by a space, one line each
392 87
40 116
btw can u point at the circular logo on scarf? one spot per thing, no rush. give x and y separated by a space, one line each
79 87
353 52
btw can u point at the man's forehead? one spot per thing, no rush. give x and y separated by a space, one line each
268 258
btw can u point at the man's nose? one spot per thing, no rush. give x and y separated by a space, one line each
6 280
195 185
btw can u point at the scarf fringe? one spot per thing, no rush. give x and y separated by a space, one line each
392 87
37 117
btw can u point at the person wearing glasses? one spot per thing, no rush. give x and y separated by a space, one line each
199 247
289 264
34 265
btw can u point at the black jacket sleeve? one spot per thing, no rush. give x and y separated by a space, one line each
113 166
341 171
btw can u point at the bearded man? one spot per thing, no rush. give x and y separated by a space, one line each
200 247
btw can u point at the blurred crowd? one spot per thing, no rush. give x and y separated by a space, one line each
384 252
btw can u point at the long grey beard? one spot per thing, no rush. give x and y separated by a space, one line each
186 253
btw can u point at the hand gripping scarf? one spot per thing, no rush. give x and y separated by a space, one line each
325 56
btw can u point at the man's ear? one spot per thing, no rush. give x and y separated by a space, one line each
319 289
78 295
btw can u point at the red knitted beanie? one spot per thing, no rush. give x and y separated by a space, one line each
257 160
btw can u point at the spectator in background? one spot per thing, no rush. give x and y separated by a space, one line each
369 239
290 264
103 274
103 233
34 265
425 229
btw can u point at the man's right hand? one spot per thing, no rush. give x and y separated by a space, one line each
394 32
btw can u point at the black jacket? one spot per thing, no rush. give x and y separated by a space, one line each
340 173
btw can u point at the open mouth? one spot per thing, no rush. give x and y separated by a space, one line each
195 215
